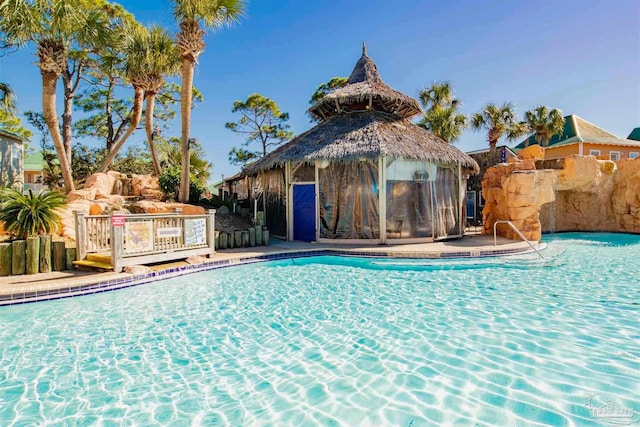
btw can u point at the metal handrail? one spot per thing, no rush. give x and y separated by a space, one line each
502 221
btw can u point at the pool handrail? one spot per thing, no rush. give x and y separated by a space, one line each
504 221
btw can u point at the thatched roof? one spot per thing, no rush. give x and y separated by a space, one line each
365 90
364 135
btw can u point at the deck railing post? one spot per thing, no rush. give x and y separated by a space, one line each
81 234
211 231
116 246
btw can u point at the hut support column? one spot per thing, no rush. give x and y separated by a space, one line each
317 201
382 202
288 184
462 197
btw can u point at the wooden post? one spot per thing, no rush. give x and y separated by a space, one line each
211 231
33 254
238 239
265 236
45 253
18 257
222 240
245 239
258 235
5 259
230 240
59 262
70 256
81 234
116 248
252 236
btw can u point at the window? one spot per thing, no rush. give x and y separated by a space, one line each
16 154
614 155
633 154
594 152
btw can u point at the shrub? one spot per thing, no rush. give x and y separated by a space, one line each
27 215
169 183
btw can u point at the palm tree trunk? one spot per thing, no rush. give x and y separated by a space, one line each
136 114
148 127
67 116
185 112
49 80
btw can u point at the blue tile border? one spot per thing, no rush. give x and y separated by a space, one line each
122 283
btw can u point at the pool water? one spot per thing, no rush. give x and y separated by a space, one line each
341 341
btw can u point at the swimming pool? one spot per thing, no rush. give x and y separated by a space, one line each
341 341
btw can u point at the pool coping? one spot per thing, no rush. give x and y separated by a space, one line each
58 289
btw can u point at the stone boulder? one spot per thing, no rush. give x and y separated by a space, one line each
516 195
102 182
532 152
149 206
86 194
143 183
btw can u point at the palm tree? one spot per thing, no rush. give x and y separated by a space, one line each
164 62
52 25
545 123
148 55
441 115
498 121
7 98
30 214
193 15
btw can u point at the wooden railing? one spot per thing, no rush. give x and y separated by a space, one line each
144 238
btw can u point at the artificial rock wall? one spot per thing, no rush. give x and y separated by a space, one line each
586 194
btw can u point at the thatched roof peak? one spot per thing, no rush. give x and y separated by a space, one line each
365 70
365 91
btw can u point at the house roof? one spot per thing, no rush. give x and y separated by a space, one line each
11 135
635 134
365 90
486 150
577 129
357 135
34 161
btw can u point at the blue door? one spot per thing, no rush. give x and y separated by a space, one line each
304 212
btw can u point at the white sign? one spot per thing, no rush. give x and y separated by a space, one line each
195 231
168 232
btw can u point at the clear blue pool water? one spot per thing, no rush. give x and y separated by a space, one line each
340 341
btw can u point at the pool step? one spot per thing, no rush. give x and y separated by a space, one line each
99 262
101 257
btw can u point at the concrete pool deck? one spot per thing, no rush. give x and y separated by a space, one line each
46 286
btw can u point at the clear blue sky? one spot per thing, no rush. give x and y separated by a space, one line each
580 56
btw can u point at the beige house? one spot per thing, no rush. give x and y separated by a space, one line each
11 161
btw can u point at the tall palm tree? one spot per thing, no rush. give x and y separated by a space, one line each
441 116
164 62
194 16
498 121
52 25
147 56
545 123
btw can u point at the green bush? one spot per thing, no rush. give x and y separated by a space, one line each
27 215
169 183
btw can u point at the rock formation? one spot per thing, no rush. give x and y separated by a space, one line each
104 193
586 194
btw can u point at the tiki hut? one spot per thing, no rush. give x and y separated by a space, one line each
365 172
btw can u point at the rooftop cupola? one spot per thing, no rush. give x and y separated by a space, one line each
364 91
